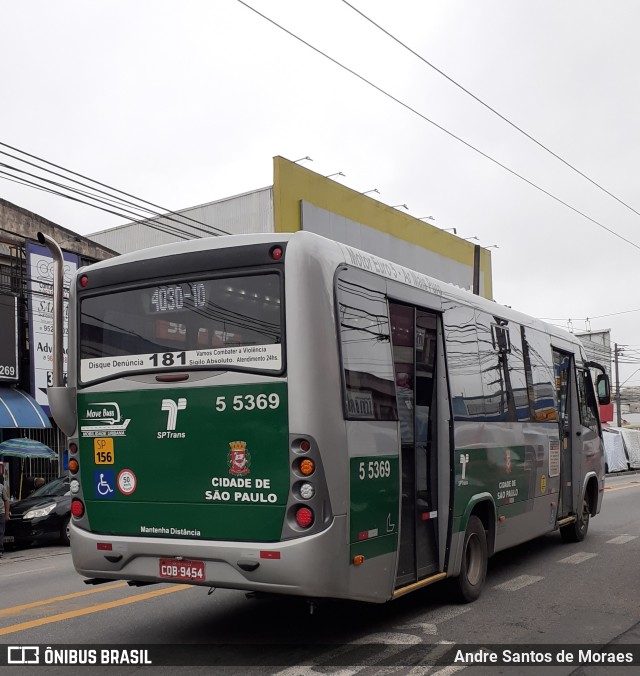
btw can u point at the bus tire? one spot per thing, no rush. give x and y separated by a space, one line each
577 531
473 570
64 532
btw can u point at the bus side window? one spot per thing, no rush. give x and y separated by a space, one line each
467 400
402 341
543 396
365 343
586 398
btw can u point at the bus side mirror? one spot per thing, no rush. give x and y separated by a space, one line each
603 389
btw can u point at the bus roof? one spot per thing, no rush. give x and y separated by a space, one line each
340 254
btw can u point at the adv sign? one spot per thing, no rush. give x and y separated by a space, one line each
8 339
40 273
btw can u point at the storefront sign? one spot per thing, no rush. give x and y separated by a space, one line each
8 339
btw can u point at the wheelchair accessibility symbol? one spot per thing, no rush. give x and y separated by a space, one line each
104 482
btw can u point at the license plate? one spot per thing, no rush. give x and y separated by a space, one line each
8 538
174 569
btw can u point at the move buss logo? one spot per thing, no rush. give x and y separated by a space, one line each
103 419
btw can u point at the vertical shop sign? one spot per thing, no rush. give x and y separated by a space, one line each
40 274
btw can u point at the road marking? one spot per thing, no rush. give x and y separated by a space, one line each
306 670
580 557
424 627
519 582
621 539
439 650
321 663
26 572
436 618
611 489
388 638
55 599
90 609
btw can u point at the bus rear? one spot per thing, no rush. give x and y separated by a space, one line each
183 466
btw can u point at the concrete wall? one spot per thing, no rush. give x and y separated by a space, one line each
18 224
375 224
242 214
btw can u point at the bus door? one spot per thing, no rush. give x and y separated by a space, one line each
414 340
563 368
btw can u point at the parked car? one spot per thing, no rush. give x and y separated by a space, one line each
45 514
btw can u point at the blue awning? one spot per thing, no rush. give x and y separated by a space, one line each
19 409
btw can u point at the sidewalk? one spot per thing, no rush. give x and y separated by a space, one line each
627 472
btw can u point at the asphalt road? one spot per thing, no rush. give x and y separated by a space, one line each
541 593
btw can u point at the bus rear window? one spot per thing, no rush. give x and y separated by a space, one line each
230 323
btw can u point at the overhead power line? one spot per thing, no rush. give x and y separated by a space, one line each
164 213
438 126
32 184
488 107
124 211
586 319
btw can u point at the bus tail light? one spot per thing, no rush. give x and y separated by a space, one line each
307 491
308 505
74 466
77 508
306 467
304 517
276 253
73 447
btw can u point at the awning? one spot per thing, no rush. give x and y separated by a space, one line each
18 409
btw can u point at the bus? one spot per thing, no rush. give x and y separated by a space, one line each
283 413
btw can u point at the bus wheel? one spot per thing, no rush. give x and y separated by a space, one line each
474 562
64 532
577 531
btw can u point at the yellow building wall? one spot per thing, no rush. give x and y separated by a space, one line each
293 183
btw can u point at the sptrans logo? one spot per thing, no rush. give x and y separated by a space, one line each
172 407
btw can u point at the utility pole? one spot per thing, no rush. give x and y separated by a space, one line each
616 352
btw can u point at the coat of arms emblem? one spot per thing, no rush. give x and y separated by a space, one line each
239 458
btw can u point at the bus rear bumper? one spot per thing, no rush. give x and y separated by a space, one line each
306 566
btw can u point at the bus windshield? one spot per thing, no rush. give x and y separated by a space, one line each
229 323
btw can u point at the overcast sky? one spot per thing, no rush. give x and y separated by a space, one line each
182 103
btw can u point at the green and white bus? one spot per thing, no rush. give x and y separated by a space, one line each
283 413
